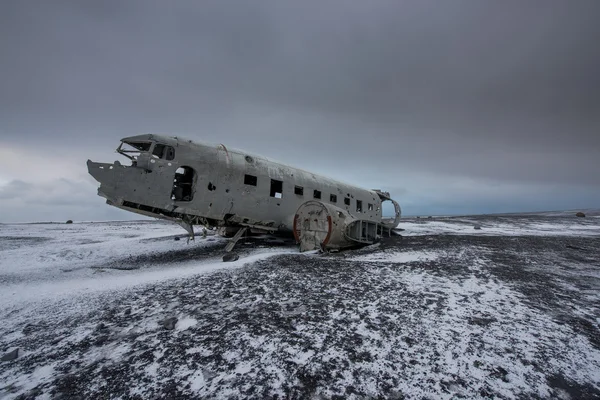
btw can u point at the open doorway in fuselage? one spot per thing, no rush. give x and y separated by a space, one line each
183 184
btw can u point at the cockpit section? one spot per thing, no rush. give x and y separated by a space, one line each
140 152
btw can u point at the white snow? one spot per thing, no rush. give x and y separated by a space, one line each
500 226
52 272
398 257
58 261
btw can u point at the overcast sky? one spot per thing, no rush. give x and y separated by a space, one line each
455 107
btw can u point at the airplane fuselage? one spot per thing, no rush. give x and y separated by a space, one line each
195 183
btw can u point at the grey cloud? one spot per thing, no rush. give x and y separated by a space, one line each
56 200
501 91
13 189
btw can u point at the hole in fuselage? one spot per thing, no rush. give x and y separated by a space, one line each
183 184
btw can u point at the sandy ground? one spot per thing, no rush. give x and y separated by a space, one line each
511 310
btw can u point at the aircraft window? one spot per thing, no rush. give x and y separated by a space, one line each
370 207
333 198
347 201
276 189
358 206
250 180
159 150
170 153
317 194
299 190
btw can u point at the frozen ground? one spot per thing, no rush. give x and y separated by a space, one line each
508 311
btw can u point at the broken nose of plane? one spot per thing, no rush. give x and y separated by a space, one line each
102 172
94 170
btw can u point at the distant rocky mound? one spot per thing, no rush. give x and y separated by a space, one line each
580 214
70 221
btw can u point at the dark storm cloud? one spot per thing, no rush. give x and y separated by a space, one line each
506 91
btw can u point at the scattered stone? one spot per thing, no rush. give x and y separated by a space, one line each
169 323
580 214
230 257
100 340
70 221
481 321
477 227
127 311
56 341
11 355
500 373
28 329
574 247
177 238
101 327
429 217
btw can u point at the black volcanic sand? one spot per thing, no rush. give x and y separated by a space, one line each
488 316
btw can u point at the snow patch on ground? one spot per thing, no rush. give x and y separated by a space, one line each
500 226
448 316
399 257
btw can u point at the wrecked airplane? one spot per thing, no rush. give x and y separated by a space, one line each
193 183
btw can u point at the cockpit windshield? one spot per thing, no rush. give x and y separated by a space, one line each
132 150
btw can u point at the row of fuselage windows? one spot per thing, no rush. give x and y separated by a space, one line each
277 192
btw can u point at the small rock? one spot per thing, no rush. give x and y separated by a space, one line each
230 257
481 321
69 221
57 340
11 355
580 214
169 323
177 238
574 247
500 373
100 340
101 327
28 329
477 227
127 311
